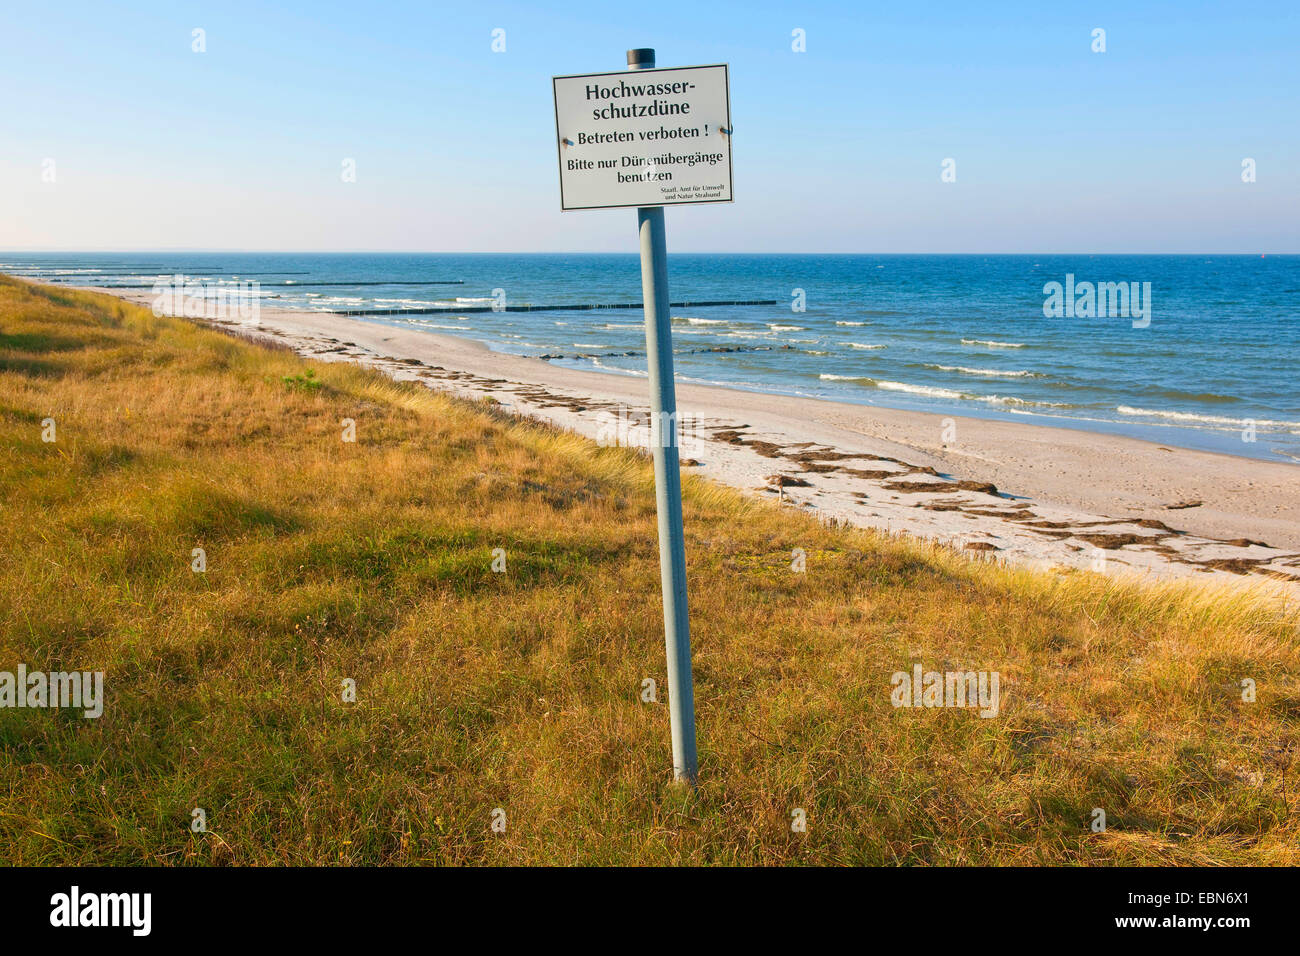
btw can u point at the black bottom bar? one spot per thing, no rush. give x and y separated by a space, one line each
940 910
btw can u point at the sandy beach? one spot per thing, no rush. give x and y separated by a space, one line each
1028 494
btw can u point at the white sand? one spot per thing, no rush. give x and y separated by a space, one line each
1062 495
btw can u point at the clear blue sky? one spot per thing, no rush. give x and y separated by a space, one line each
837 149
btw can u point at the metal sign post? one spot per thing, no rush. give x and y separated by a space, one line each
649 141
668 475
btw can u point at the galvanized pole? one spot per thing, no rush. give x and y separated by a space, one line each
668 477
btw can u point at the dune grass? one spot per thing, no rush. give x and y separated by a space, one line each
371 561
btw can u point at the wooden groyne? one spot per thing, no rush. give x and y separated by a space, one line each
579 307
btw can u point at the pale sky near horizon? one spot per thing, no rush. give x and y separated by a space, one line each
836 149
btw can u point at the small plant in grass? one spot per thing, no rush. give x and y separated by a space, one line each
306 382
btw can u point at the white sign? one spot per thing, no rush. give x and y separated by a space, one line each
644 137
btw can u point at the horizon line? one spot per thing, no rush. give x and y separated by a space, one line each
588 252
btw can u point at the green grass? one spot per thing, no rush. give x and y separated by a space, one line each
371 561
307 381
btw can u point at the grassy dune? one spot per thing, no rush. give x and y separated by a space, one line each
371 561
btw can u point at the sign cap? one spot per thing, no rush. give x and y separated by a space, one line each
641 57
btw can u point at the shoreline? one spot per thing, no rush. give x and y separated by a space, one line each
1183 437
1037 495
914 352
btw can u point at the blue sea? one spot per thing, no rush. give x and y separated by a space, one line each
1215 368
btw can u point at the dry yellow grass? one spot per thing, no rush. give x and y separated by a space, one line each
371 561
